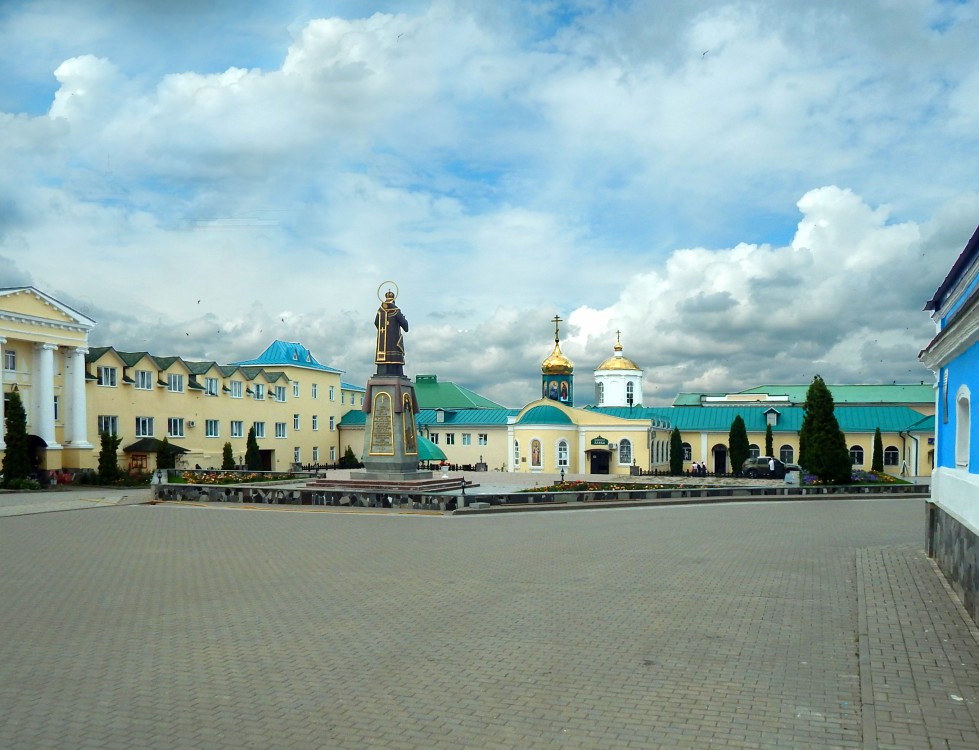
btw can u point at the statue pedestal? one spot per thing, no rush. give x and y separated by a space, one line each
390 435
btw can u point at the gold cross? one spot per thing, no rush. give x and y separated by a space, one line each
556 321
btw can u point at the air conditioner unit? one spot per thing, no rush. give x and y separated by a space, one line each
191 423
613 447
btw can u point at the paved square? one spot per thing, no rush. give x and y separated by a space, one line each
727 626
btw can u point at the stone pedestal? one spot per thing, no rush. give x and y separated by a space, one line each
390 436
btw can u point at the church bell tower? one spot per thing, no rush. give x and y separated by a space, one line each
557 372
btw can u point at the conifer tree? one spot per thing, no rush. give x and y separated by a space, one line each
877 464
737 444
676 452
227 458
17 455
769 441
165 455
108 457
253 459
822 444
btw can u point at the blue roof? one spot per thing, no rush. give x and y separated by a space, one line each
461 417
545 414
351 387
287 354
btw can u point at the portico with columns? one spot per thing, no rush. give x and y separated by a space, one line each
43 343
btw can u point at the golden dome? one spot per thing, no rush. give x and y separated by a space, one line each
557 363
617 361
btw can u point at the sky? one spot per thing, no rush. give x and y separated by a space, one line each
743 193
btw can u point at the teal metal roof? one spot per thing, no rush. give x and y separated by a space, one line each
891 393
432 394
287 354
464 417
429 451
354 418
351 387
545 414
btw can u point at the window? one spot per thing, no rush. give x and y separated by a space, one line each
962 427
467 438
753 451
331 393
10 360
687 452
891 456
107 376
296 456
175 382
434 437
144 380
333 423
314 390
259 391
295 389
450 438
856 455
343 397
630 392
212 428
210 386
599 393
144 426
236 389
295 421
483 438
175 427
108 424
259 429
315 422
786 454
625 451
516 451
237 428
57 408
280 429
316 455
333 455
562 454
280 393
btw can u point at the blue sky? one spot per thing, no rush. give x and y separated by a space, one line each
750 191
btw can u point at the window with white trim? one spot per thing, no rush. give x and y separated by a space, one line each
483 438
786 454
314 390
467 438
212 428
108 423
687 451
333 455
280 393
892 456
236 390
434 437
144 380
297 455
315 422
258 391
259 429
333 423
144 426
237 428
316 455
332 395
175 382
280 429
562 454
295 421
107 376
625 451
599 393
10 360
211 386
450 438
175 427
630 391
856 455
295 389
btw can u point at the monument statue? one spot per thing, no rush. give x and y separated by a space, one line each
390 349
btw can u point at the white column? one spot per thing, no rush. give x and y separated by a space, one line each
76 415
3 418
44 387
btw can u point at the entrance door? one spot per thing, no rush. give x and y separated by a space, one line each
720 459
598 463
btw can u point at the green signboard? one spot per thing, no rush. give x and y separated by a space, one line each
599 441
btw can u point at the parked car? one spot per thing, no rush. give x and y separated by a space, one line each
762 466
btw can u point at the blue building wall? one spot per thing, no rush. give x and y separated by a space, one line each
963 370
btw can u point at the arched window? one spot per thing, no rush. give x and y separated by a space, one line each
630 392
599 393
687 452
625 451
786 454
962 427
562 454
516 452
753 451
892 456
856 455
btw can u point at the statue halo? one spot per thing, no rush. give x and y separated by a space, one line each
380 296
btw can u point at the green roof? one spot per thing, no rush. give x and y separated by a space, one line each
464 417
545 414
354 418
432 394
891 393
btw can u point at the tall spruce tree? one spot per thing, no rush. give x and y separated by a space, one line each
676 452
769 441
17 455
253 459
877 464
737 444
166 456
108 458
822 444
227 457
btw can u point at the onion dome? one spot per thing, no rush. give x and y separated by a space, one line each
557 363
617 361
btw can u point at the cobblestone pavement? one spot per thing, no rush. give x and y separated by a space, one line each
791 625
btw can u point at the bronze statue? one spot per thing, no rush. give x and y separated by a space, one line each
390 350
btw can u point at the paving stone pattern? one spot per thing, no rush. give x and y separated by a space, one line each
733 626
